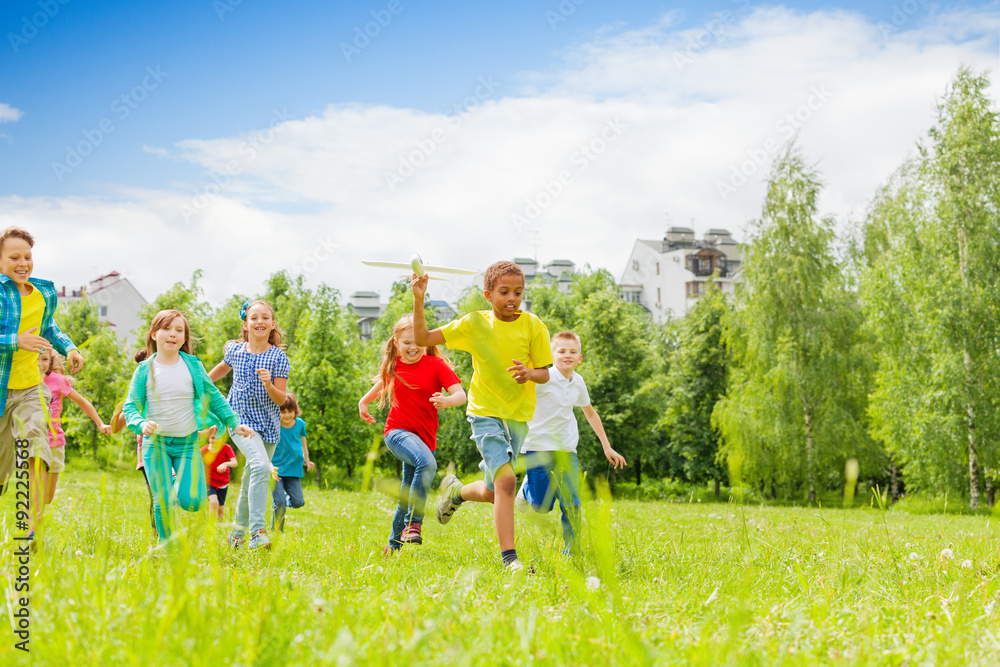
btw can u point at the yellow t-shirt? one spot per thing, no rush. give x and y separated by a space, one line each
24 365
494 344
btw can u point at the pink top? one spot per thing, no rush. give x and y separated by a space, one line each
60 387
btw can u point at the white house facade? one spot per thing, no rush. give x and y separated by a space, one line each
668 276
118 303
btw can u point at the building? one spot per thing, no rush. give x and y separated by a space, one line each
667 277
559 271
119 303
367 308
444 311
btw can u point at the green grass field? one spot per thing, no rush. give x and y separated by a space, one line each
701 583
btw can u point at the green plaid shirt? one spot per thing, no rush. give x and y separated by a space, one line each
10 321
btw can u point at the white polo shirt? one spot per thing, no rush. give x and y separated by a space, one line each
554 427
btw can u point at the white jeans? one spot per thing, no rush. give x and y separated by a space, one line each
251 508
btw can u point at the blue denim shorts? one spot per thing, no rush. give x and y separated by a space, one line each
499 443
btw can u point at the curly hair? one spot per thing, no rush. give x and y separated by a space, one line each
497 270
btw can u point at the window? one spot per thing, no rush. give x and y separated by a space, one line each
695 289
104 311
658 299
657 268
635 265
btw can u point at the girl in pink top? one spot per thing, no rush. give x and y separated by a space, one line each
43 485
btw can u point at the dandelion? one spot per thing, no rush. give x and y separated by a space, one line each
967 564
914 556
593 583
947 554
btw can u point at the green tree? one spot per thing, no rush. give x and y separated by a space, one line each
932 293
695 383
795 337
105 377
328 376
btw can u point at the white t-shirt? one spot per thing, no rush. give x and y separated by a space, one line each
170 399
554 427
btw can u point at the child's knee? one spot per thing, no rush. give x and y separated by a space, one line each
297 503
505 484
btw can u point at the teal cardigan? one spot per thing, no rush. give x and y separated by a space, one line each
210 407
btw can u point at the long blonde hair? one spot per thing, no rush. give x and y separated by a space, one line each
390 354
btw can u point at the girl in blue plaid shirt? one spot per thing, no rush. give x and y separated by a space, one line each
260 375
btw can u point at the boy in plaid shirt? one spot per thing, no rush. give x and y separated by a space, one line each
26 327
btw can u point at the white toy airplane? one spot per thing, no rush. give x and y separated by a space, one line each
419 268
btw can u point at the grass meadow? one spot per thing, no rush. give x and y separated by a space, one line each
659 584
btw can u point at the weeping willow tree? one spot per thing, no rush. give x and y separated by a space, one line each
794 408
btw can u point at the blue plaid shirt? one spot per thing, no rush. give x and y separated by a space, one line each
10 321
248 397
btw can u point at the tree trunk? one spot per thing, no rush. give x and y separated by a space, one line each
638 471
810 444
319 477
716 488
970 425
93 440
990 491
894 480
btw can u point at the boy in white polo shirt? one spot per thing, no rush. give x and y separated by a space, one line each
553 469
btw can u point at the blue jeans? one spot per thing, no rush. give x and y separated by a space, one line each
251 508
287 491
551 476
419 469
161 454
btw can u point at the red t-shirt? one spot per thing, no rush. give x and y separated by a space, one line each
412 409
224 455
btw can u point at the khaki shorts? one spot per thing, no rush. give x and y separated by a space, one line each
24 426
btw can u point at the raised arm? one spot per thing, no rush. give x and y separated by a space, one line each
617 460
421 336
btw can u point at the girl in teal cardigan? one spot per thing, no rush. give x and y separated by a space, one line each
170 400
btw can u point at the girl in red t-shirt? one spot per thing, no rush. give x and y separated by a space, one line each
412 377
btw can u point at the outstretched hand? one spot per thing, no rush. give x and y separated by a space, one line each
363 411
419 286
75 361
518 371
616 459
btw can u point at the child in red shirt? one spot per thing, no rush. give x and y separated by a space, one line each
219 458
414 387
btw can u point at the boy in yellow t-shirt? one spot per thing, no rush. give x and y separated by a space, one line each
509 349
26 327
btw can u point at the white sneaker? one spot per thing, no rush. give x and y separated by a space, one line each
516 566
521 499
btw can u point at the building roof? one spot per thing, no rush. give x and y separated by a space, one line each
524 260
561 262
439 304
365 295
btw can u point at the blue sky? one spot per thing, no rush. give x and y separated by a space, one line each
225 68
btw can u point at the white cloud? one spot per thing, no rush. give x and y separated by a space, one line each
9 114
689 116
158 152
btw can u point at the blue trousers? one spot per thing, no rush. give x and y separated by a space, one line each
419 469
161 454
555 476
287 492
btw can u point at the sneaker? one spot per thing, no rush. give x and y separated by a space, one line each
516 566
411 534
521 499
450 487
236 541
260 540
